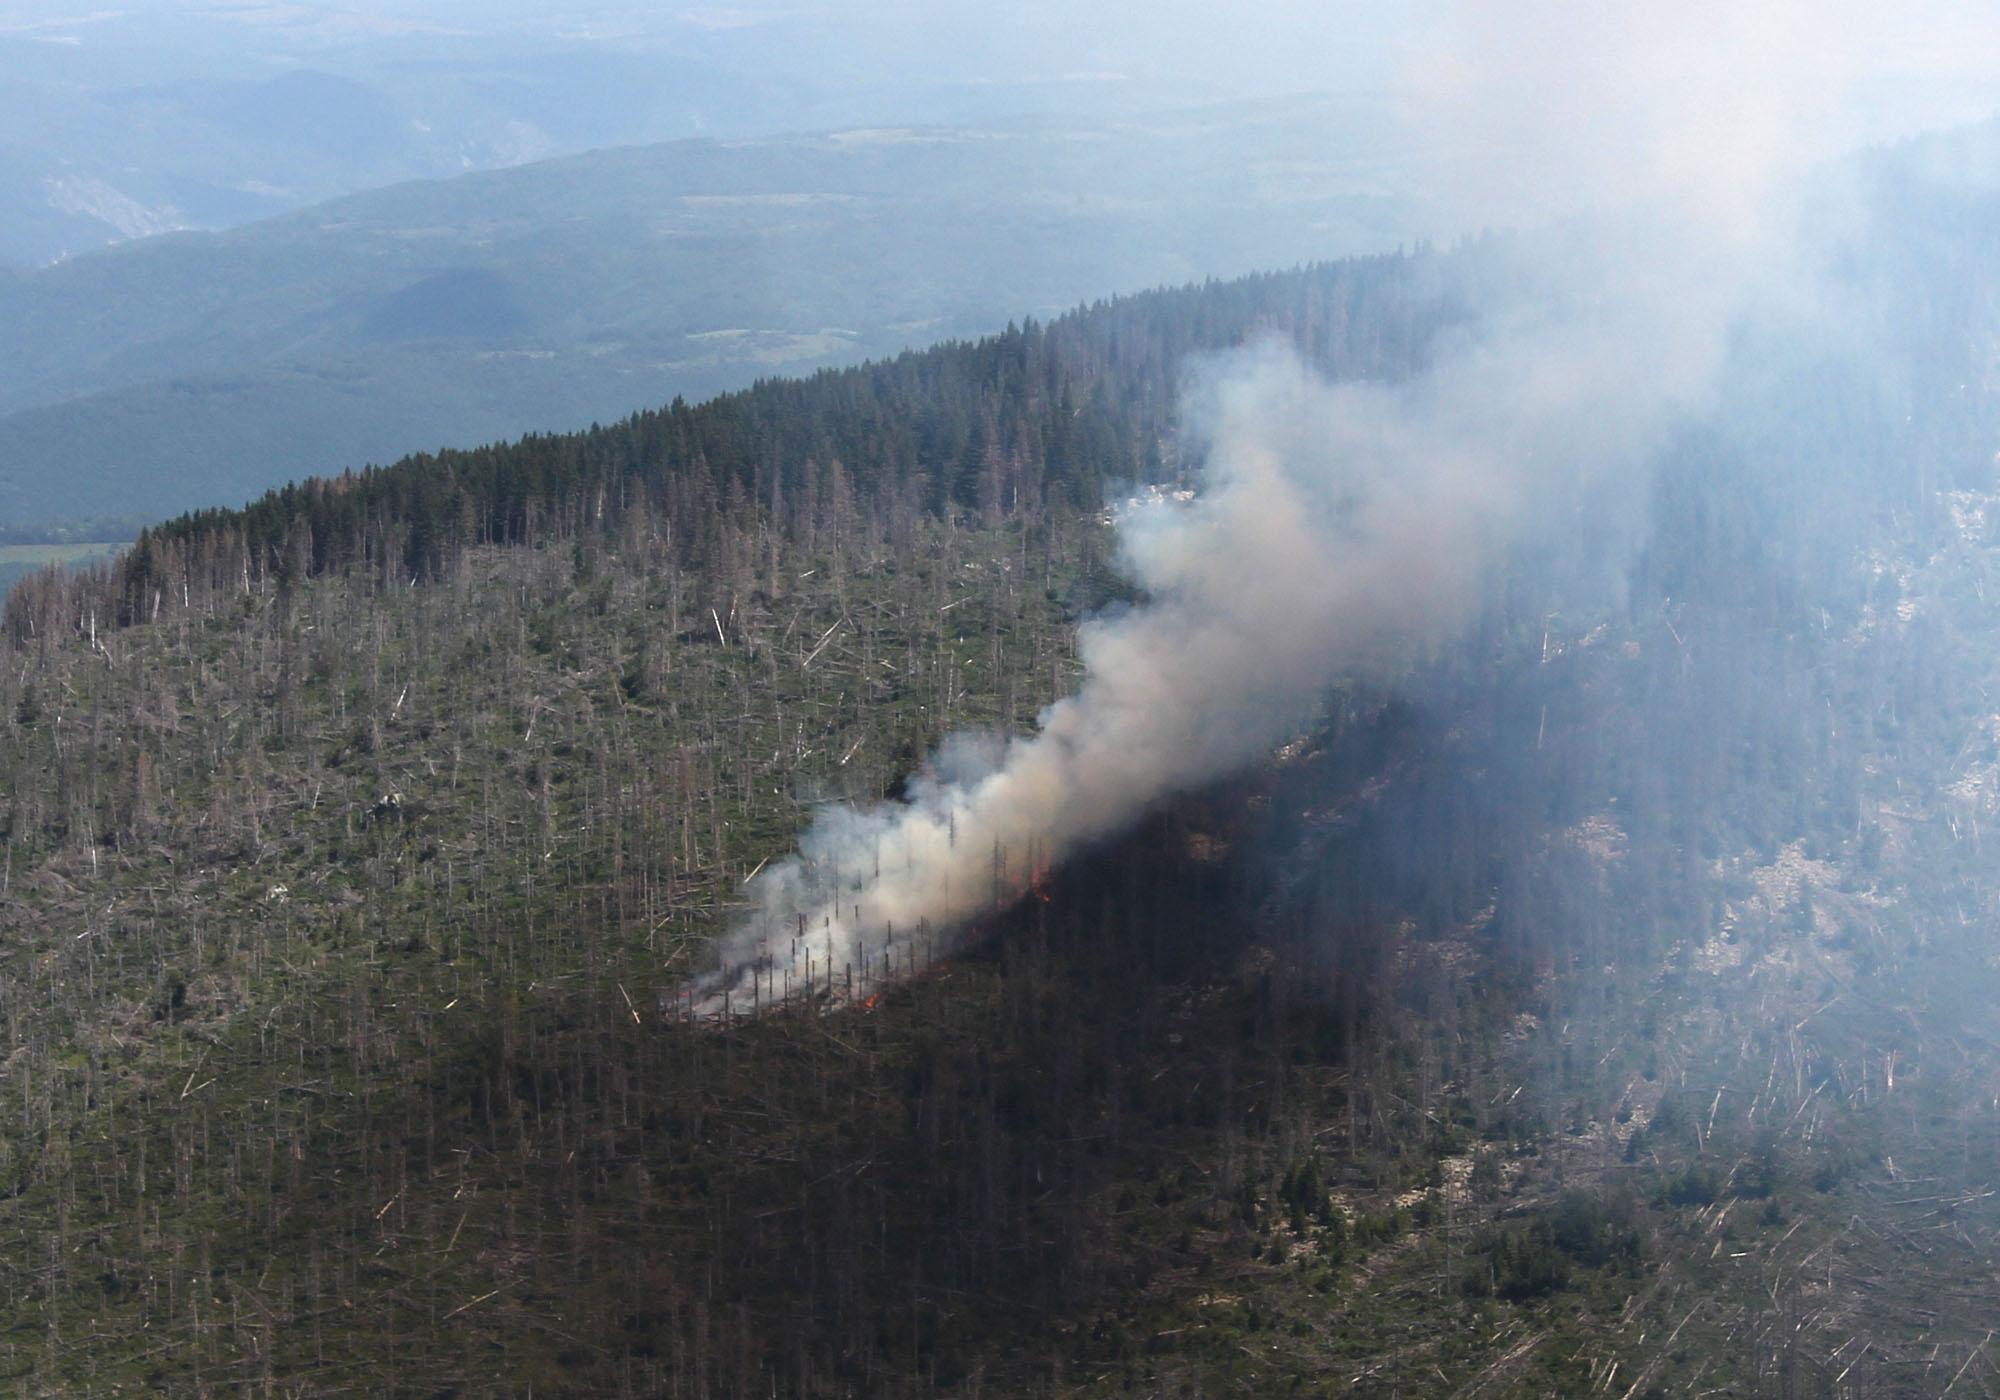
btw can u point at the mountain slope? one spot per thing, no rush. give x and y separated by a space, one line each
1604 1000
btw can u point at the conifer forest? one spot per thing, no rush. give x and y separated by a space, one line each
1597 998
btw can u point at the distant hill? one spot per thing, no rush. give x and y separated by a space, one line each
194 369
119 122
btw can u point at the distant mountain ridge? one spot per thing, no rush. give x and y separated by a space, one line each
195 369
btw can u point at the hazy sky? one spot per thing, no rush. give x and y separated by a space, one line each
1550 101
1210 51
1265 45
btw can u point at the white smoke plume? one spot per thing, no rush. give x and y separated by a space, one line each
1339 529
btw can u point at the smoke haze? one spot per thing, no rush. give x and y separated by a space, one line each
1340 529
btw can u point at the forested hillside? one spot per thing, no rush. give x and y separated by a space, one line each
1602 1005
1030 424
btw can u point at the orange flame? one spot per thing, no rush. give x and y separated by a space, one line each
1038 883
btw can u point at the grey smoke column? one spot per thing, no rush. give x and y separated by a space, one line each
1337 528
1340 528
